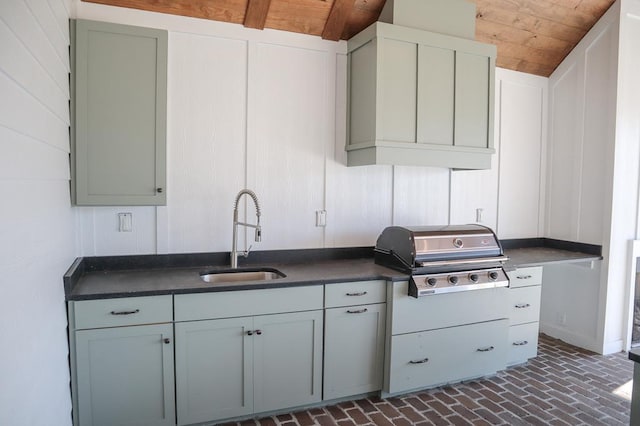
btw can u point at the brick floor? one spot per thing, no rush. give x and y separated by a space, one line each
564 385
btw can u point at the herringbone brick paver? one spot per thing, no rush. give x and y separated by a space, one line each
564 385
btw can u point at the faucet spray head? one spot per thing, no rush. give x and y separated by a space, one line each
258 236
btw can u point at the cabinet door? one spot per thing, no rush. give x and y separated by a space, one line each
354 350
120 114
287 360
214 369
125 376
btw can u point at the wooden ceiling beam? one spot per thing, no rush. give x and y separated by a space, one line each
256 15
337 20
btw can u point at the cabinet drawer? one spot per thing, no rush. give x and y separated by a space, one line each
523 277
427 359
524 304
523 343
241 303
445 310
355 293
120 312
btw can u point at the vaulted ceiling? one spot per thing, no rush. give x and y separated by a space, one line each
532 36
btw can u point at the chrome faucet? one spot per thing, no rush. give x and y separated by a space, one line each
258 230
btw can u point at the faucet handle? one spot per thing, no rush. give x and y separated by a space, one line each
246 252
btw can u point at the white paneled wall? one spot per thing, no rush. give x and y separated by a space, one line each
289 130
582 118
36 232
521 132
267 110
206 152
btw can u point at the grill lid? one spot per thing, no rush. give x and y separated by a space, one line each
412 247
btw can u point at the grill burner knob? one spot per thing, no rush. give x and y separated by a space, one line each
493 275
453 280
473 277
431 281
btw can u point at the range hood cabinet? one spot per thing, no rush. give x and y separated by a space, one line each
419 98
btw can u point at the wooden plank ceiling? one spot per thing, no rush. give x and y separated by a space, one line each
532 36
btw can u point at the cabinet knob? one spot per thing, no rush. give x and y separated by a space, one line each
167 341
250 333
258 332
159 190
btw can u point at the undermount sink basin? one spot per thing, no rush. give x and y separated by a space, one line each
241 275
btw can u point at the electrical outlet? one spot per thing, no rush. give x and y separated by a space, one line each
125 222
479 215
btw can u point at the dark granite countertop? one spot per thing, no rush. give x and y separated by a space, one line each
102 284
539 256
146 275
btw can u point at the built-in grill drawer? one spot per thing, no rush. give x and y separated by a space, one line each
121 312
523 343
523 277
445 310
355 293
427 359
524 304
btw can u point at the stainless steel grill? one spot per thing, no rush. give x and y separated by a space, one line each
443 259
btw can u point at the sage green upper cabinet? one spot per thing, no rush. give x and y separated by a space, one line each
120 110
419 98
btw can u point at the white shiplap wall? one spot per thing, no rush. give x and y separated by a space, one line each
36 232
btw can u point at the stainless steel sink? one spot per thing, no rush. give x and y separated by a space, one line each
241 275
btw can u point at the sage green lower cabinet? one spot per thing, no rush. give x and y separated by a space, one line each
239 366
354 350
121 357
125 376
524 313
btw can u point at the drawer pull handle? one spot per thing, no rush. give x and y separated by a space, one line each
489 349
362 293
524 277
250 333
422 361
259 332
520 343
125 312
358 311
522 305
166 341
